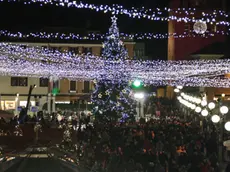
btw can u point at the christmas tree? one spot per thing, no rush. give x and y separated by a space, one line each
112 97
113 47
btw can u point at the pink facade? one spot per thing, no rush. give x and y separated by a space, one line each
181 48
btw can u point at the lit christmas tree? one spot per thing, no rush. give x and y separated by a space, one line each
111 98
113 47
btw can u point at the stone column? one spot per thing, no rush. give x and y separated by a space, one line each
49 103
53 104
0 102
16 104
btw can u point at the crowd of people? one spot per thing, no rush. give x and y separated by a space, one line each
164 144
161 145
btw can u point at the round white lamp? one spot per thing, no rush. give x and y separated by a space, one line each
211 105
204 112
215 118
180 87
176 90
198 109
182 94
179 97
227 126
193 107
204 103
139 95
223 110
59 118
198 101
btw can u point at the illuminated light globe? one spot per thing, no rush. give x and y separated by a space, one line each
198 109
198 101
137 83
215 118
179 97
211 105
223 110
176 90
227 126
204 103
180 87
200 27
59 117
204 112
193 107
139 95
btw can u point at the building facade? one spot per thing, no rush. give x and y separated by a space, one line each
14 90
182 48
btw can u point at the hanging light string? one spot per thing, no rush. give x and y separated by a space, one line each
97 36
156 14
22 60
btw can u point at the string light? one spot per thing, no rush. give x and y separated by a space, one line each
22 60
97 36
157 14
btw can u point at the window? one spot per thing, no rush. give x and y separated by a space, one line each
72 85
86 86
184 3
187 27
43 82
86 50
19 81
74 50
54 49
214 28
139 53
101 50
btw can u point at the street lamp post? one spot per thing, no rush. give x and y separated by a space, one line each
28 98
139 96
223 111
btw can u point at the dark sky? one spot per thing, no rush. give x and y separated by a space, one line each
32 18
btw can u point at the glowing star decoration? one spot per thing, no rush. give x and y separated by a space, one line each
107 92
120 43
94 81
124 91
200 27
100 96
114 19
112 36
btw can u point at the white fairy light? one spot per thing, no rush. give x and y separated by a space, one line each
22 60
150 14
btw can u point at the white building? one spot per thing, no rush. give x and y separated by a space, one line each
14 92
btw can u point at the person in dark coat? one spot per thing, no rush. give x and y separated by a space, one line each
228 168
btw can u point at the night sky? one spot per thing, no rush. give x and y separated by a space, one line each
33 18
